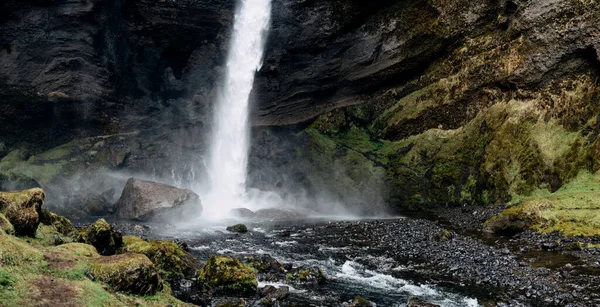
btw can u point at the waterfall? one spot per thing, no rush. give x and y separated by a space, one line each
227 165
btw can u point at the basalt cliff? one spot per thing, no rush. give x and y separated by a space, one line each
395 104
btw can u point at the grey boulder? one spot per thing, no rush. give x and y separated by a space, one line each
151 201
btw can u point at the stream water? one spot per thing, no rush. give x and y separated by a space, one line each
350 264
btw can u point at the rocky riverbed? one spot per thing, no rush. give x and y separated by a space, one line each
389 260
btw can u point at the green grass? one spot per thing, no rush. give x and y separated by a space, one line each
573 210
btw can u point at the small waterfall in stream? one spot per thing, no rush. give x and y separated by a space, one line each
227 163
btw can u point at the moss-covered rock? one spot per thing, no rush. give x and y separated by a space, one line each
133 273
441 236
62 224
239 228
226 275
303 274
101 235
359 301
21 208
6 225
62 276
172 262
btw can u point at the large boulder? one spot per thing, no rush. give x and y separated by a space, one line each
146 200
22 209
228 275
172 262
133 273
102 236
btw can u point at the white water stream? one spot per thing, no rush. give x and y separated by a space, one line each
227 164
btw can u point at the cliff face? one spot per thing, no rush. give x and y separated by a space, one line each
459 102
414 101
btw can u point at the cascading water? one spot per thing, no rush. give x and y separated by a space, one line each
230 140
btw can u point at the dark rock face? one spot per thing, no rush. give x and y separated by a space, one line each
408 102
146 200
83 63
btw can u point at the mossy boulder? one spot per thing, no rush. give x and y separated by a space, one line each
22 209
267 267
172 262
309 275
239 228
6 225
228 275
102 236
360 301
133 273
62 224
441 236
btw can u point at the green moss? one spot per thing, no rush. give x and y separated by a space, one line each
50 236
228 275
101 235
572 210
240 228
6 226
60 223
21 209
133 273
172 262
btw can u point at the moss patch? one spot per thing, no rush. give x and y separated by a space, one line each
228 275
33 275
101 235
172 262
133 273
572 210
21 209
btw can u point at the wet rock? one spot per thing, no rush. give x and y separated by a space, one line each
147 200
267 267
417 302
172 262
274 293
102 236
274 213
226 274
239 228
133 273
359 301
242 213
22 208
310 275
